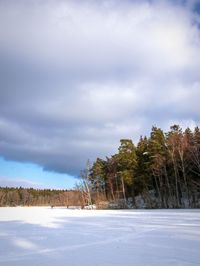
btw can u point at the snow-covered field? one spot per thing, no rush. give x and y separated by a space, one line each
43 236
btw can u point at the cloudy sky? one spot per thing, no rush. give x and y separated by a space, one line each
77 76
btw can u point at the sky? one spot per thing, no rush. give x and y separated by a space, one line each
78 76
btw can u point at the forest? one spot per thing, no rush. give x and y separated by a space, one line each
160 171
39 197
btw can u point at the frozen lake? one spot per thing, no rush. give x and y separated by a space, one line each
33 236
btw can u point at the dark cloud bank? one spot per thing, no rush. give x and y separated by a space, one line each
77 76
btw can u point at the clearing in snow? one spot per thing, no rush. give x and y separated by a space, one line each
43 236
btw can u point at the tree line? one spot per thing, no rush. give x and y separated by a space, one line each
163 170
40 197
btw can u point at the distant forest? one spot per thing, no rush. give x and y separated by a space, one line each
160 171
39 197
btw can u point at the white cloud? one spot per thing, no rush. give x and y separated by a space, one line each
18 182
77 77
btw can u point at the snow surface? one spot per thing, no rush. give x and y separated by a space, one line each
44 236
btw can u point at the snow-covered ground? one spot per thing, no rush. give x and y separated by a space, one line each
44 236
